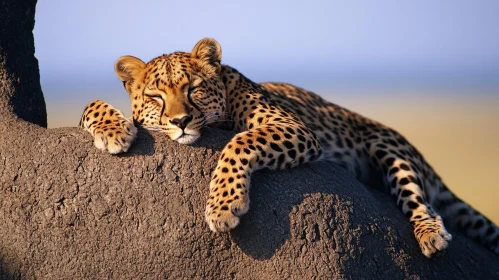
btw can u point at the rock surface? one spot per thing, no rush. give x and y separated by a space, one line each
68 210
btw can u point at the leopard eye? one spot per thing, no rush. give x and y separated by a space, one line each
195 84
156 97
191 90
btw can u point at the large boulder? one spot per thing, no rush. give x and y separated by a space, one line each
68 210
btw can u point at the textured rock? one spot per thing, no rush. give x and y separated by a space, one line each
68 210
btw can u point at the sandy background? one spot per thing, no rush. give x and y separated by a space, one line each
458 133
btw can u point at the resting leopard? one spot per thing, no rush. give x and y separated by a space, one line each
279 126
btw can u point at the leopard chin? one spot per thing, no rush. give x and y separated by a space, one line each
186 139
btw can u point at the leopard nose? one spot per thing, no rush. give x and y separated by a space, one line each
182 122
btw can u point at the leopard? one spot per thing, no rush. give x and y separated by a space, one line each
278 126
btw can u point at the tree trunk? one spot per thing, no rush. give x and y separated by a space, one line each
20 91
70 211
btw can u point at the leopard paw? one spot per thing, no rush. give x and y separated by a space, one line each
432 237
433 243
109 127
116 137
223 216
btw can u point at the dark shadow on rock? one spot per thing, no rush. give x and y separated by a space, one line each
143 145
214 138
5 273
145 142
267 223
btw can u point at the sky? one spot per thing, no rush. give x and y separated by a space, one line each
316 44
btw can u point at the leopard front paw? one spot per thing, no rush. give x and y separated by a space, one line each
225 206
115 137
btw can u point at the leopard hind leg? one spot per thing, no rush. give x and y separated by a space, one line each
402 171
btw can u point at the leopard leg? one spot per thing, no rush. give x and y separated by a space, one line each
109 127
273 145
404 176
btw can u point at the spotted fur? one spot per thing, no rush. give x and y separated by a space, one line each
280 126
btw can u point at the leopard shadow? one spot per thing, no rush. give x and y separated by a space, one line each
143 144
8 272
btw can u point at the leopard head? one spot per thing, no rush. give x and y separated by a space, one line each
177 93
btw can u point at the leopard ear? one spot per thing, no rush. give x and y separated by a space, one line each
128 68
208 50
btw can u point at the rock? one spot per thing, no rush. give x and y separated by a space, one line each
68 210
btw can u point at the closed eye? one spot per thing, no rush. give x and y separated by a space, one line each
155 96
158 98
189 97
194 85
191 90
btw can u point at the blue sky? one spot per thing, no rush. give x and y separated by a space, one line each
316 44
